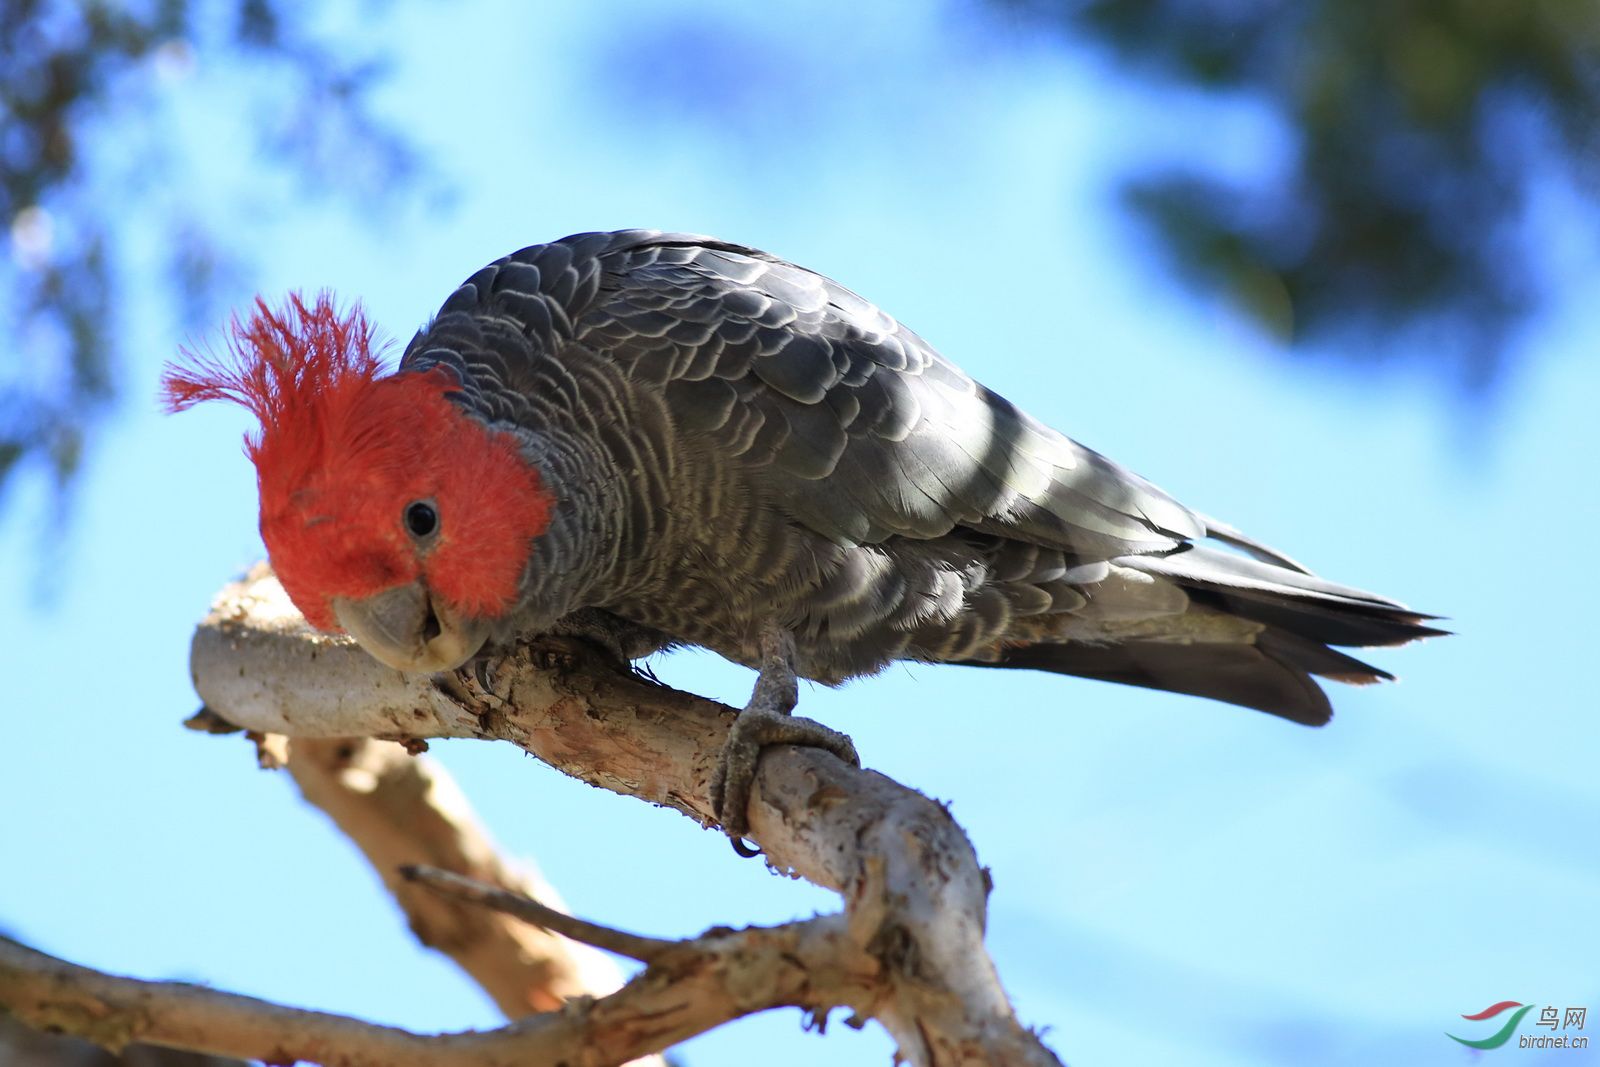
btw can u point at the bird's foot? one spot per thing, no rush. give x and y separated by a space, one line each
754 730
621 640
766 721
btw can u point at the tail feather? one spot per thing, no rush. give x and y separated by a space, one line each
1248 675
1274 668
1330 623
1314 657
1228 535
1207 567
1300 603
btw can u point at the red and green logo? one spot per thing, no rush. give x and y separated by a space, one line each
1500 1036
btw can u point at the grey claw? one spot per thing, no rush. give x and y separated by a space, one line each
755 730
481 675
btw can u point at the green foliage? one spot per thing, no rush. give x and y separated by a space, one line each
1419 128
76 72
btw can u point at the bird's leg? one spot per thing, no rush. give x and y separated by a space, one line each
765 721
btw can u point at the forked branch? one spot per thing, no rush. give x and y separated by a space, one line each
907 949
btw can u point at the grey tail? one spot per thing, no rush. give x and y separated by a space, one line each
1302 616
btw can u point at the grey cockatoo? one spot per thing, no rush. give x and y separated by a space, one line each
672 439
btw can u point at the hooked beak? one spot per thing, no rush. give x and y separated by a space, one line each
408 630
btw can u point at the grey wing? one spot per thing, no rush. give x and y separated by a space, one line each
863 431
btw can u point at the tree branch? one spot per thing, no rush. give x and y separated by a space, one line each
401 810
697 985
521 906
914 894
56 996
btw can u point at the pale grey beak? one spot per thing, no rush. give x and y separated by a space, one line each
408 630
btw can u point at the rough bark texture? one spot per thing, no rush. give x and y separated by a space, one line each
906 950
23 1046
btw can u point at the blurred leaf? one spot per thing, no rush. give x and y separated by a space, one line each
1420 130
77 73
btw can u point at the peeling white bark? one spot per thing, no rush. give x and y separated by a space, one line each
914 894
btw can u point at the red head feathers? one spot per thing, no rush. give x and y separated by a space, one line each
343 452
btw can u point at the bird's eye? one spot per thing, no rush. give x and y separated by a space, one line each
421 519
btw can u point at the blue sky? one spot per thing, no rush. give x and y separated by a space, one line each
1175 880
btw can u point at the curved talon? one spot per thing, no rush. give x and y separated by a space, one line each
480 674
755 730
764 722
554 652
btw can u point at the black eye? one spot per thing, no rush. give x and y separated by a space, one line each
421 519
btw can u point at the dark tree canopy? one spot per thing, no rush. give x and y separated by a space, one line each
1420 130
75 71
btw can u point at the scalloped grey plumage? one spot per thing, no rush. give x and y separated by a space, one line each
734 440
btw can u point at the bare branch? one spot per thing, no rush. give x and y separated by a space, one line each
23 1046
53 995
521 906
915 897
698 985
400 809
